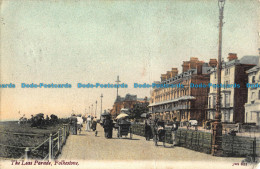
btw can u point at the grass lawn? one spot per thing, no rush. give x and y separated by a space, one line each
14 134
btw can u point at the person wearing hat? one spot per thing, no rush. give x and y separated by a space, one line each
79 123
88 123
108 126
148 129
73 123
94 124
174 129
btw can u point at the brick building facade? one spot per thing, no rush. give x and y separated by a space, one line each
184 102
126 102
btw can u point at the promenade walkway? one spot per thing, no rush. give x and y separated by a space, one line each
88 147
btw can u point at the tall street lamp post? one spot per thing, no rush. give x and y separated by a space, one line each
217 125
101 103
96 109
117 81
92 110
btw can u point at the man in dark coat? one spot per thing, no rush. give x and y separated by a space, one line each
94 124
108 127
73 123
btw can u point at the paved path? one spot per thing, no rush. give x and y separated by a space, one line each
88 147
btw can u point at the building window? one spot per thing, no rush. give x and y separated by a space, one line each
259 95
227 71
246 117
215 75
253 79
225 116
253 96
221 101
227 99
209 102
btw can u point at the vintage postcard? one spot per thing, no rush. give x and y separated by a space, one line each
150 84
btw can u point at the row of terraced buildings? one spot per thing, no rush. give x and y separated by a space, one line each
199 103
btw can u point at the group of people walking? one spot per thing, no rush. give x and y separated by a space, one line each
154 127
76 123
91 123
108 126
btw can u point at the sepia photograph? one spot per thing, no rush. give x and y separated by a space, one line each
127 84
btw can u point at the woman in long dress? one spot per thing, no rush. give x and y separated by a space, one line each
174 131
88 123
79 123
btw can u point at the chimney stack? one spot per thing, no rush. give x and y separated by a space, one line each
199 67
193 62
213 62
174 72
185 66
163 77
232 56
168 75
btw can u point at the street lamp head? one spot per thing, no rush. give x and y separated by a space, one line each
221 3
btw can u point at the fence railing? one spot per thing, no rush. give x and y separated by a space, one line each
51 147
202 141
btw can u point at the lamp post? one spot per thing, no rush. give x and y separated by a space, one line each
92 110
217 125
101 103
117 81
96 109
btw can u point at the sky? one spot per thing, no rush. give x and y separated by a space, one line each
80 41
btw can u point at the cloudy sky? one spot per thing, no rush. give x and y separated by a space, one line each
72 41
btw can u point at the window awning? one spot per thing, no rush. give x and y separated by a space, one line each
174 100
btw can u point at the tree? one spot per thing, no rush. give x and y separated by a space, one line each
138 109
37 120
54 119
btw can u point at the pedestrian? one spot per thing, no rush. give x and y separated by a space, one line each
88 123
79 123
148 129
94 124
73 123
174 131
108 127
